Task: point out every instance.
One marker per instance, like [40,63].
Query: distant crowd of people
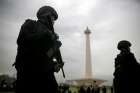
[92,89]
[86,89]
[4,85]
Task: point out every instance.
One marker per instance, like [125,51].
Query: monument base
[85,82]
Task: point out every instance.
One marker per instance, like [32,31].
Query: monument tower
[88,65]
[88,78]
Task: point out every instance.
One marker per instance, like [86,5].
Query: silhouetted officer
[88,90]
[96,87]
[104,89]
[112,90]
[92,89]
[82,90]
[69,91]
[126,69]
[3,84]
[34,62]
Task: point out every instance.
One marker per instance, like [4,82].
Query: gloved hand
[57,67]
[58,44]
[55,36]
[52,50]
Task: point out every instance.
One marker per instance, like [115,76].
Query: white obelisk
[88,65]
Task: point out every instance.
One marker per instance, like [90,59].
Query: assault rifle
[55,51]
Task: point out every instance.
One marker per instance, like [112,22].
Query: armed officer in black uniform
[126,69]
[37,45]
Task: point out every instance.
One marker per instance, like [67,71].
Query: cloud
[109,20]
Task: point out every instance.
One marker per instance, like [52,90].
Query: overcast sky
[109,21]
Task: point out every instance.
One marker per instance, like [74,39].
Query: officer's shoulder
[29,22]
[131,53]
[119,55]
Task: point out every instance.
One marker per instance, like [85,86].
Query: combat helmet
[47,10]
[123,44]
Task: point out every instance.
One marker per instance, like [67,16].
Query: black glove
[57,67]
[55,36]
[51,51]
[57,44]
